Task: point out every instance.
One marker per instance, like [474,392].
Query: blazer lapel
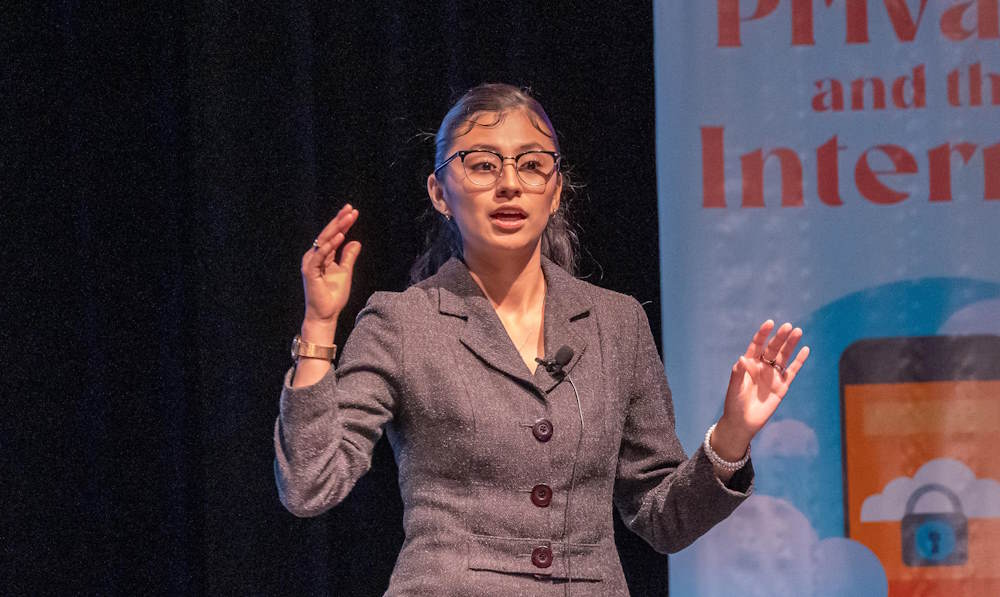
[484,334]
[565,306]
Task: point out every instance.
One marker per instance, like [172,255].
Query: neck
[512,283]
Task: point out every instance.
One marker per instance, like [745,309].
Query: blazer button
[541,495]
[541,556]
[542,430]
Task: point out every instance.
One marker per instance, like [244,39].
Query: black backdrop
[164,167]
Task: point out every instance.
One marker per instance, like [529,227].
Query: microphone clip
[555,366]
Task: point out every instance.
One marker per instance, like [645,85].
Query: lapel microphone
[555,366]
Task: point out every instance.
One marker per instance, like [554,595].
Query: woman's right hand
[326,281]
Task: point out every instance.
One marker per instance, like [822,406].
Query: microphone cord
[572,482]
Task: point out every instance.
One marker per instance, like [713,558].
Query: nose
[508,182]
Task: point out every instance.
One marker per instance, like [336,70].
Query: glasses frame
[462,153]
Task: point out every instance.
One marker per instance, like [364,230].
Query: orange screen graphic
[890,431]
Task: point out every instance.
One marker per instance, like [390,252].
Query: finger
[333,225]
[346,222]
[334,243]
[342,222]
[312,261]
[756,346]
[736,377]
[788,348]
[771,352]
[350,255]
[793,369]
[329,230]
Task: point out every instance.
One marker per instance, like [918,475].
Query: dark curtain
[164,167]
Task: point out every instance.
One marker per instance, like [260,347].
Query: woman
[520,402]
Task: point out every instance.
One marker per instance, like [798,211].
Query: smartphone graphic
[921,456]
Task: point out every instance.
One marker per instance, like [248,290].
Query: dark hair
[559,240]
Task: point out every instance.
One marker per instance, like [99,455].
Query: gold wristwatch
[301,348]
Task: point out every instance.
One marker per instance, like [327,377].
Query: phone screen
[921,447]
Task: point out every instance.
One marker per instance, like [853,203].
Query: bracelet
[729,467]
[301,348]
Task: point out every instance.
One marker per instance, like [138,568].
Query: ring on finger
[773,363]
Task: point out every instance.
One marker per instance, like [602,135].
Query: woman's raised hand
[326,281]
[760,379]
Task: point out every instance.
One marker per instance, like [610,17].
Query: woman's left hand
[760,378]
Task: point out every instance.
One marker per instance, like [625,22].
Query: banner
[836,164]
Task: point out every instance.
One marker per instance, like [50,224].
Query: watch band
[301,348]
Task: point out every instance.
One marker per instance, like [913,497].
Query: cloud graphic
[787,437]
[980,498]
[845,568]
[769,548]
[978,318]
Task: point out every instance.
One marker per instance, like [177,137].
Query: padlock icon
[935,538]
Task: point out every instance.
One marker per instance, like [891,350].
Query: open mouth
[508,215]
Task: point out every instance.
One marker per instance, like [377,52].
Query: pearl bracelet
[730,467]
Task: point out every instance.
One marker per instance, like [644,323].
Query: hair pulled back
[559,239]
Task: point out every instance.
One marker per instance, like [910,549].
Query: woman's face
[508,216]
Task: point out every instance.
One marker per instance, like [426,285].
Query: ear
[435,190]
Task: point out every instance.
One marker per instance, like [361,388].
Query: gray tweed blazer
[505,493]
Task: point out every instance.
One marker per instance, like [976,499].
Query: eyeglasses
[483,167]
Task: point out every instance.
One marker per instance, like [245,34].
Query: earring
[447,217]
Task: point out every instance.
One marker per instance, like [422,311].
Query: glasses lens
[482,167]
[535,167]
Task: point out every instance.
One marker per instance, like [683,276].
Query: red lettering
[729,19]
[976,85]
[991,172]
[951,22]
[939,159]
[858,94]
[918,84]
[802,23]
[954,23]
[954,98]
[987,20]
[866,179]
[828,173]
[835,95]
[857,21]
[869,180]
[902,21]
[753,177]
[908,91]
[713,175]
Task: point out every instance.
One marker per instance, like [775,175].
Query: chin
[519,248]
[509,246]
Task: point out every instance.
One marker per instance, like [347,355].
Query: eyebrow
[525,147]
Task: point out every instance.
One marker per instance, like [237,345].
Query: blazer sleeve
[325,433]
[664,497]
